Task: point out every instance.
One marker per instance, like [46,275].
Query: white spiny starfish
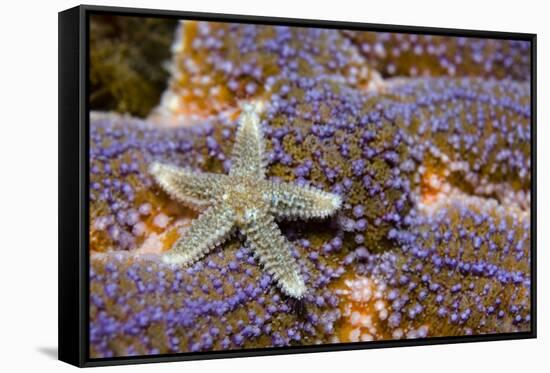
[246,200]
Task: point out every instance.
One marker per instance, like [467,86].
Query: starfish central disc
[244,197]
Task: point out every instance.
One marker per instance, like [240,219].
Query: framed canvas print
[237,186]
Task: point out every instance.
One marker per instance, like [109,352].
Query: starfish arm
[291,201]
[273,251]
[210,229]
[192,188]
[248,151]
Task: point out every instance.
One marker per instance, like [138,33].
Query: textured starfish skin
[247,201]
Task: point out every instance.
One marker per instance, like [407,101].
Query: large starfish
[246,200]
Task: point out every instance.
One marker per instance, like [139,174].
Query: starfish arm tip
[336,202]
[173,259]
[154,168]
[253,108]
[296,289]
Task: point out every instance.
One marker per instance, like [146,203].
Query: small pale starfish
[246,200]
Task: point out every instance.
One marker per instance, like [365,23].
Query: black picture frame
[74,174]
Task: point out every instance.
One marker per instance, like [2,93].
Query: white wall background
[28,184]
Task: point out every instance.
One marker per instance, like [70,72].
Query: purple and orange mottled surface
[433,167]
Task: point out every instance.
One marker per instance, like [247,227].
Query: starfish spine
[249,148]
[274,252]
[288,201]
[210,229]
[194,189]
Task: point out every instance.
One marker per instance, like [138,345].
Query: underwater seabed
[432,239]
